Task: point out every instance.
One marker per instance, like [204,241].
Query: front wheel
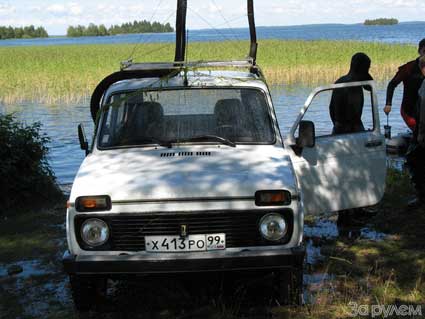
[87,291]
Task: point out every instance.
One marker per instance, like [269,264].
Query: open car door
[338,171]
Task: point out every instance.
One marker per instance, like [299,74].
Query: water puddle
[367,233]
[44,297]
[321,229]
[315,284]
[320,237]
[38,288]
[29,268]
[396,162]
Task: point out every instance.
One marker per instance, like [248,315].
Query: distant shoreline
[136,27]
[259,27]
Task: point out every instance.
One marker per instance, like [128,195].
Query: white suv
[189,173]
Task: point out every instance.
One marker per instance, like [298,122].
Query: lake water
[60,123]
[410,33]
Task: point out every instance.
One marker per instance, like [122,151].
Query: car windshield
[163,117]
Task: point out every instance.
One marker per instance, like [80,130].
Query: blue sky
[56,15]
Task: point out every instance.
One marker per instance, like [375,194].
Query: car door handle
[373,143]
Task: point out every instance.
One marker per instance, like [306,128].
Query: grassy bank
[67,74]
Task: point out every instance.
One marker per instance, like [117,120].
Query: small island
[381,21]
[125,28]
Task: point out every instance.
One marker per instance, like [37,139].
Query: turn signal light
[272,198]
[93,203]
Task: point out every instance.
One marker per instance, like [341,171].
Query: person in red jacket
[412,78]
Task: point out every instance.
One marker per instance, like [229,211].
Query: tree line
[381,21]
[130,27]
[22,32]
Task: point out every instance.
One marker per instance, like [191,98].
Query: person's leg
[416,164]
[420,174]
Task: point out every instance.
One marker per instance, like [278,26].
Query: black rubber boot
[416,165]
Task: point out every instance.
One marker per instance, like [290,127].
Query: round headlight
[273,227]
[94,232]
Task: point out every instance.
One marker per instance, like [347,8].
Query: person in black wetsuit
[346,108]
[412,77]
[346,105]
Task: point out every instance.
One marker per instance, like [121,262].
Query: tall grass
[67,74]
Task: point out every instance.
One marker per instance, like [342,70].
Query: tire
[289,286]
[86,291]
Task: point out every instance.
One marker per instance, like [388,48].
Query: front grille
[241,228]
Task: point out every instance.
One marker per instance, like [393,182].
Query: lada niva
[188,172]
[191,174]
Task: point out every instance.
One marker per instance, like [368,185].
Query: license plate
[162,244]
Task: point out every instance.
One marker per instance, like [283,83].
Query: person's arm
[335,101]
[337,109]
[367,87]
[421,127]
[398,78]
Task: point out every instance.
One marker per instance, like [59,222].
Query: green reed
[68,74]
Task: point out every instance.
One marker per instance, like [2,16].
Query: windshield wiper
[214,138]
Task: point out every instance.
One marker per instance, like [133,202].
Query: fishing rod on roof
[252,31]
[181,31]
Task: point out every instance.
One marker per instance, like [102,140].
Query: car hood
[184,173]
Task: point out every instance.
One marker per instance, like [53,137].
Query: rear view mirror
[307,135]
[83,140]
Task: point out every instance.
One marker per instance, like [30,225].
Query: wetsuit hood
[360,65]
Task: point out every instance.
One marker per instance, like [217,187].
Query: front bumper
[195,262]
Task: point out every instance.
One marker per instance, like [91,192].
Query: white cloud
[6,9]
[214,8]
[75,8]
[56,8]
[64,9]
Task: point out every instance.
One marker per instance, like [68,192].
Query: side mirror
[307,135]
[83,140]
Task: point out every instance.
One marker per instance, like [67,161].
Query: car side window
[116,119]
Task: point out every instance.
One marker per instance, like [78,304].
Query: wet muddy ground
[40,288]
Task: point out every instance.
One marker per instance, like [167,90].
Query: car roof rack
[160,67]
[130,66]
